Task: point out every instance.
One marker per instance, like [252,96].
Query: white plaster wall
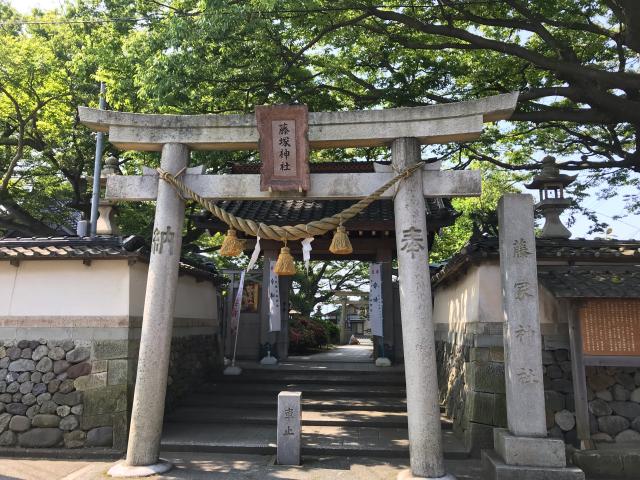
[195,299]
[476,296]
[550,311]
[490,288]
[64,288]
[458,302]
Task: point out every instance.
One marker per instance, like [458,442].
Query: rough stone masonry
[46,388]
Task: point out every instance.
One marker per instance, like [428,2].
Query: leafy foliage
[575,63]
[307,334]
[322,281]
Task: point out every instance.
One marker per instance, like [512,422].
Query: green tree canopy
[574,62]
[318,285]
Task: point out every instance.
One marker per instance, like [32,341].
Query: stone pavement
[212,466]
[341,353]
[219,466]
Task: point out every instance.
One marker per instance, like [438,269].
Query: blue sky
[624,229]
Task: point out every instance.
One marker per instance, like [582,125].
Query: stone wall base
[495,469]
[478,437]
[537,451]
[619,463]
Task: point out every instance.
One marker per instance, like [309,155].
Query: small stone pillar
[289,428]
[523,451]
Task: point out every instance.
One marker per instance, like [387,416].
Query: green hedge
[307,334]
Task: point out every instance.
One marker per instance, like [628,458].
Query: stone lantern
[550,183]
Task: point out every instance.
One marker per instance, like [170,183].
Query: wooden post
[385,257]
[578,374]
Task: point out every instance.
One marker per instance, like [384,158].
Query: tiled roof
[591,281]
[378,216]
[547,249]
[99,248]
[61,247]
[577,248]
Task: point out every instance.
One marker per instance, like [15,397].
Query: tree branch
[574,71]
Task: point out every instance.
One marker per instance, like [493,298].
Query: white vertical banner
[375,299]
[237,306]
[274,299]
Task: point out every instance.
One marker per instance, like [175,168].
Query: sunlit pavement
[228,466]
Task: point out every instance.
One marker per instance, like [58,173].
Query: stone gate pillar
[157,324]
[423,405]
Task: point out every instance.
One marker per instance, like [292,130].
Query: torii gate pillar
[423,406]
[157,326]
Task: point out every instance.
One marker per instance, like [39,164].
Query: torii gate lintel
[442,123]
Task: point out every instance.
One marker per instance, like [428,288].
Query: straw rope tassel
[285,266]
[232,246]
[286,232]
[340,245]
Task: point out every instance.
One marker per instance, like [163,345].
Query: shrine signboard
[284,147]
[610,327]
[602,332]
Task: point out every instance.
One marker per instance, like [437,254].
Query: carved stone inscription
[412,241]
[163,241]
[289,428]
[284,147]
[522,341]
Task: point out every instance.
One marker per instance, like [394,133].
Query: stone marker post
[423,405]
[157,320]
[524,448]
[522,340]
[289,428]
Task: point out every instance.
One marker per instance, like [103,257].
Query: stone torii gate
[403,129]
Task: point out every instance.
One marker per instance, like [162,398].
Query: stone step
[256,416]
[327,367]
[316,440]
[283,378]
[324,368]
[222,399]
[315,389]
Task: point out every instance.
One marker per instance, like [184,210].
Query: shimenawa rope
[285,232]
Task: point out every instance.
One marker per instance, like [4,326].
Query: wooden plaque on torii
[284,147]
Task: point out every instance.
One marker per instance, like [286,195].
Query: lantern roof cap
[550,174]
